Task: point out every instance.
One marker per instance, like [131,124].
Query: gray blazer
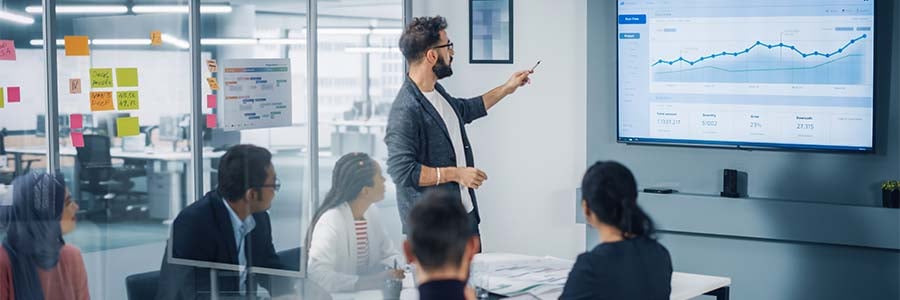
[416,135]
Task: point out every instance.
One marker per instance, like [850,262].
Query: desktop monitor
[106,123]
[169,130]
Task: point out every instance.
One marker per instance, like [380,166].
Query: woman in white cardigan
[349,249]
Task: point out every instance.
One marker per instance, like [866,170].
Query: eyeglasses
[276,186]
[448,45]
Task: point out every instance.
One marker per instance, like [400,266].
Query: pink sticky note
[75,121]
[211,101]
[77,139]
[7,50]
[13,94]
[210,121]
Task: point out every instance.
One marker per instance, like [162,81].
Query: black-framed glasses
[276,186]
[448,46]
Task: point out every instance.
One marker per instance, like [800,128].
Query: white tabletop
[118,153]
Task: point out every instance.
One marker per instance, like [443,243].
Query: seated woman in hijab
[35,261]
[350,249]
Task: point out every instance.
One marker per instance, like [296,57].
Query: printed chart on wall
[257,93]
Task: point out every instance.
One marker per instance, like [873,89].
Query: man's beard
[442,69]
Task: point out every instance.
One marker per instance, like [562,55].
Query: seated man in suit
[230,226]
[441,244]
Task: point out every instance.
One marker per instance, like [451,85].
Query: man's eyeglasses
[276,186]
[448,46]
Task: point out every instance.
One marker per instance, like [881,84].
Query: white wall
[533,144]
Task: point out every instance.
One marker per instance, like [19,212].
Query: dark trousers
[474,222]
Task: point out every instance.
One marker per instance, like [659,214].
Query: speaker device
[734,184]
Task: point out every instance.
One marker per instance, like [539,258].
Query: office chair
[98,177]
[142,286]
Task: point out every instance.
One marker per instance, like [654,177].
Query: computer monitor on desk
[106,123]
[40,126]
[221,140]
[169,130]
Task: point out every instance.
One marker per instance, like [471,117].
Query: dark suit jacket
[638,268]
[203,232]
[416,135]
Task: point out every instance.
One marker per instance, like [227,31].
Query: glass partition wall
[144,102]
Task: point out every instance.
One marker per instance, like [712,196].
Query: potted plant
[890,194]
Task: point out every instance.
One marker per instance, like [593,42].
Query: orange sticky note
[210,121]
[77,45]
[102,101]
[7,50]
[76,121]
[155,38]
[128,126]
[211,101]
[77,139]
[75,86]
[213,84]
[14,96]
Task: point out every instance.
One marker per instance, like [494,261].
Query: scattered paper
[76,121]
[7,50]
[14,95]
[77,139]
[102,101]
[127,77]
[128,126]
[127,100]
[101,78]
[77,45]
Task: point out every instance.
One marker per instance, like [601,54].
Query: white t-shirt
[452,122]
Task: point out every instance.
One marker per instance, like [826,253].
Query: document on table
[514,275]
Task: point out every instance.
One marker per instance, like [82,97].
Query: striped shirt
[362,244]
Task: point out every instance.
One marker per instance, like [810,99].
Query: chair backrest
[142,286]
[94,159]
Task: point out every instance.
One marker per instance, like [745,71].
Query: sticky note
[127,126]
[13,95]
[75,86]
[77,45]
[155,38]
[7,50]
[1,97]
[127,100]
[127,77]
[102,101]
[212,66]
[210,121]
[77,139]
[101,78]
[211,101]
[213,84]
[76,121]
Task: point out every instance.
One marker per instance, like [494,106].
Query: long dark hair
[610,191]
[352,173]
[34,236]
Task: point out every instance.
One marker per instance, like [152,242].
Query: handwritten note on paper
[212,66]
[77,139]
[155,38]
[77,45]
[127,100]
[102,101]
[13,94]
[211,101]
[76,121]
[213,84]
[7,50]
[101,78]
[75,86]
[210,121]
[127,77]
[128,126]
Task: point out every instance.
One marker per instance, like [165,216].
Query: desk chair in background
[105,183]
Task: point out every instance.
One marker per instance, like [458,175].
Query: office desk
[162,165]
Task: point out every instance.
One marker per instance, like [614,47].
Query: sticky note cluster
[102,78]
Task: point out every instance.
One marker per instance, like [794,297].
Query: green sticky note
[101,78]
[127,77]
[127,127]
[127,100]
[1,97]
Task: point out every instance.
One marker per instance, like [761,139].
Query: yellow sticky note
[101,78]
[127,77]
[213,84]
[1,97]
[101,101]
[77,45]
[127,100]
[155,38]
[128,126]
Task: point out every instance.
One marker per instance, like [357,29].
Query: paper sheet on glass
[256,93]
[518,275]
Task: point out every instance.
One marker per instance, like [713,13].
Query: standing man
[426,137]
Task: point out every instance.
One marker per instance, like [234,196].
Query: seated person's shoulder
[70,252]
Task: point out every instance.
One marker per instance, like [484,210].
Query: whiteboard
[256,93]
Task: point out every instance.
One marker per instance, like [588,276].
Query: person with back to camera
[629,263]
